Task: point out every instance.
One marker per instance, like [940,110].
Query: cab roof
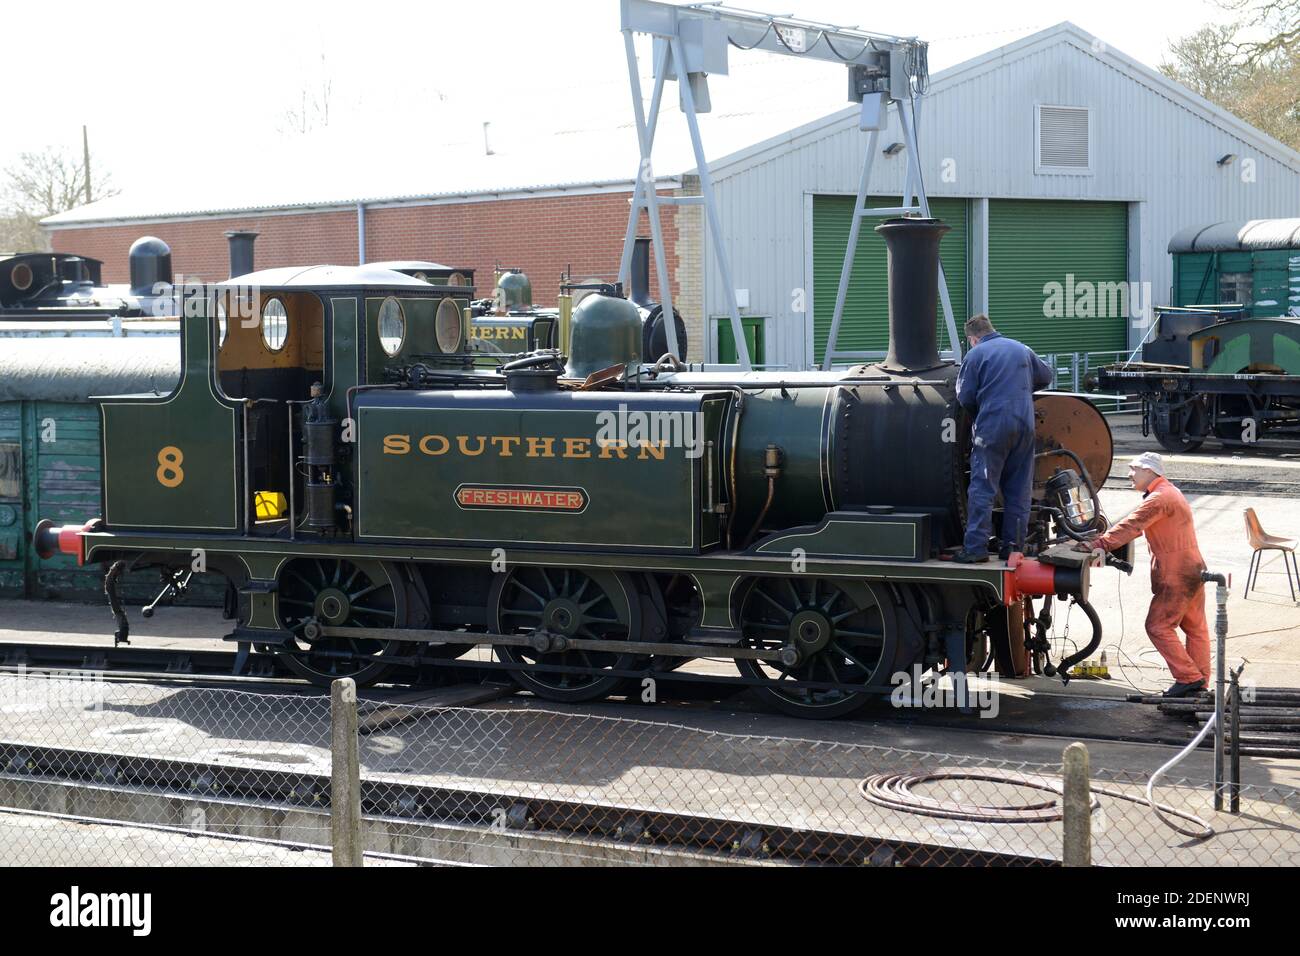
[306,278]
[399,265]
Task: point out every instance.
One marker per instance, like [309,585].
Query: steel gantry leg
[914,200]
[710,205]
[692,41]
[914,170]
[846,270]
[649,194]
[646,146]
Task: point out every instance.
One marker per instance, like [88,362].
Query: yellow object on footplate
[1091,669]
[270,504]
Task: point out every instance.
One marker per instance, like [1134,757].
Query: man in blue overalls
[996,384]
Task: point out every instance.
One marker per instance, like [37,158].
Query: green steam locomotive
[379,504]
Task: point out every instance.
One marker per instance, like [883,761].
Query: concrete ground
[1264,629]
[773,761]
[1266,463]
[713,762]
[38,839]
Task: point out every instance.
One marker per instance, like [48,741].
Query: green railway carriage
[50,452]
[1254,264]
[1224,362]
[1241,385]
[378,504]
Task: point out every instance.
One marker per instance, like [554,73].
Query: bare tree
[41,184]
[22,233]
[1204,63]
[313,109]
[1264,91]
[1279,18]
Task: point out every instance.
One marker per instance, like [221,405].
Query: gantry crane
[693,41]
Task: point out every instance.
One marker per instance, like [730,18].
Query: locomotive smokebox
[913,246]
[151,265]
[241,252]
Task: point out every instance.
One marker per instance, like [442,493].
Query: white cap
[1149,460]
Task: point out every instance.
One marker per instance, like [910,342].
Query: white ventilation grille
[1063,139]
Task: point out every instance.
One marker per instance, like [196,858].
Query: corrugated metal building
[1064,167]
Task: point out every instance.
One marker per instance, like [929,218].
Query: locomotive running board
[550,642]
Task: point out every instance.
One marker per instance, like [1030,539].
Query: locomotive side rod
[548,642]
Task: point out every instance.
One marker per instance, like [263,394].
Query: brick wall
[199,246]
[542,236]
[688,292]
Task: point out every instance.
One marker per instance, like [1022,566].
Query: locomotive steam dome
[606,331]
[514,291]
[151,264]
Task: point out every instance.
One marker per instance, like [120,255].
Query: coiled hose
[895,791]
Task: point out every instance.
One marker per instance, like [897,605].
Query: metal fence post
[345,775]
[1220,652]
[1076,808]
[1234,746]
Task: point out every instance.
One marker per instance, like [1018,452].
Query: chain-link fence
[128,774]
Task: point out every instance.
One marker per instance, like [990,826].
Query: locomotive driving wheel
[554,605]
[833,632]
[335,592]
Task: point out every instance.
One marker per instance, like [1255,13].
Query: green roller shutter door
[1035,247]
[865,326]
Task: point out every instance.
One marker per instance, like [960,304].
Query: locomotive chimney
[241,252]
[913,292]
[641,271]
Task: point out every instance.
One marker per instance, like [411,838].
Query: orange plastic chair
[1261,541]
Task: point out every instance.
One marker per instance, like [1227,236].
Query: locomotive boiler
[592,529]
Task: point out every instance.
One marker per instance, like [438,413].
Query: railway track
[1223,486]
[214,668]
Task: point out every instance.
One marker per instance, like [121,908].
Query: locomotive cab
[260,353]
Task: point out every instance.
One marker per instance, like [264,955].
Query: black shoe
[1185,690]
[970,557]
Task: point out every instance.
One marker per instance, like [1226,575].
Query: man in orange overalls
[1176,565]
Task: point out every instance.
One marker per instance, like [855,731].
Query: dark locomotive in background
[378,503]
